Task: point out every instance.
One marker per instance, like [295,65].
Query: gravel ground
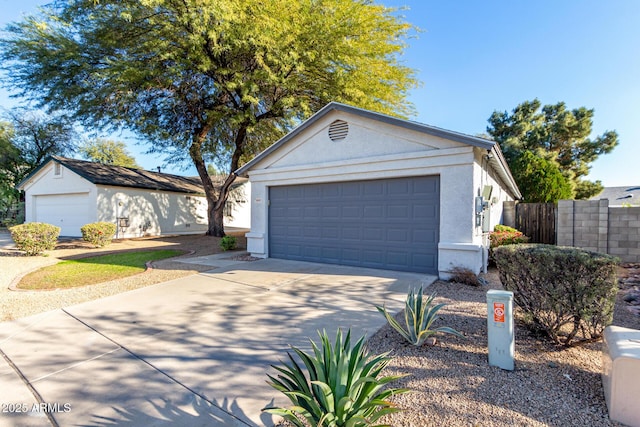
[15,304]
[451,382]
[453,385]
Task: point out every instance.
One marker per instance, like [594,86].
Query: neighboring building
[354,187]
[70,193]
[620,196]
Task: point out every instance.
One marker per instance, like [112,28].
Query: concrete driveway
[189,352]
[6,242]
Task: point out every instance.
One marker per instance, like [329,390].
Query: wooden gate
[537,221]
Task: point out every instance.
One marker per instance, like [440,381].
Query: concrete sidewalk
[189,352]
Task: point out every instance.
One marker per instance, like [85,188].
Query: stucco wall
[68,182]
[375,150]
[239,204]
[152,213]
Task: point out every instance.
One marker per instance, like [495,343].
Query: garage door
[389,224]
[67,211]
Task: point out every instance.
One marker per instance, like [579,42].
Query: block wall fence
[593,225]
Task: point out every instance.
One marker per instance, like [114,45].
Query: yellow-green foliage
[567,292]
[35,237]
[98,233]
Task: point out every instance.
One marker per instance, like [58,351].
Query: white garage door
[67,211]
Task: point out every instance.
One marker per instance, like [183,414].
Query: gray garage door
[389,223]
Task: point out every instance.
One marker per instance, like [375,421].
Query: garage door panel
[390,223]
[374,212]
[398,212]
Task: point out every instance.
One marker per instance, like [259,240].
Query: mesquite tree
[208,80]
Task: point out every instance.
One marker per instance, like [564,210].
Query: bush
[504,228]
[465,276]
[504,235]
[338,386]
[419,315]
[568,293]
[35,237]
[228,243]
[98,233]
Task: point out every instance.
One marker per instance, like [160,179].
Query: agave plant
[419,315]
[338,386]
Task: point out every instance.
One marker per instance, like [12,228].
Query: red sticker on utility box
[498,312]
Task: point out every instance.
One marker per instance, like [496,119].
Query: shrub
[568,293]
[465,276]
[35,237]
[98,233]
[419,315]
[338,386]
[504,235]
[228,243]
[504,228]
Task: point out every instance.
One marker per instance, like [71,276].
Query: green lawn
[92,270]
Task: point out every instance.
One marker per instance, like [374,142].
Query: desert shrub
[35,237]
[569,293]
[500,228]
[335,385]
[228,243]
[98,233]
[465,276]
[504,235]
[419,316]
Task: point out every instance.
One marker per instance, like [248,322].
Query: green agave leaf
[341,387]
[451,331]
[287,414]
[419,315]
[395,325]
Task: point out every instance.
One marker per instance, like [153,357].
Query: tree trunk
[215,205]
[195,152]
[216,222]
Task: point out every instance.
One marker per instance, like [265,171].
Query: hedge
[567,292]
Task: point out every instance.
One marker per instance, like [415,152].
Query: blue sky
[474,57]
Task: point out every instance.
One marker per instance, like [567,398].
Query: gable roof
[499,161]
[407,124]
[119,176]
[619,196]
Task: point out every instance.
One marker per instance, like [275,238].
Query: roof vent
[338,130]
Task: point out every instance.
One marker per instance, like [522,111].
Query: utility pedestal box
[621,374]
[500,329]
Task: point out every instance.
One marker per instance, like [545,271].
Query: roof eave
[26,179]
[502,168]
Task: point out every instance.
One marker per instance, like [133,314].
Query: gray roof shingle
[119,176]
[619,196]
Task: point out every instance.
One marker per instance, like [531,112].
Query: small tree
[26,139]
[540,180]
[557,134]
[108,152]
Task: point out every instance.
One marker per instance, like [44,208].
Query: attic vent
[338,130]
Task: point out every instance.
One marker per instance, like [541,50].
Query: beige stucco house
[70,193]
[353,187]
